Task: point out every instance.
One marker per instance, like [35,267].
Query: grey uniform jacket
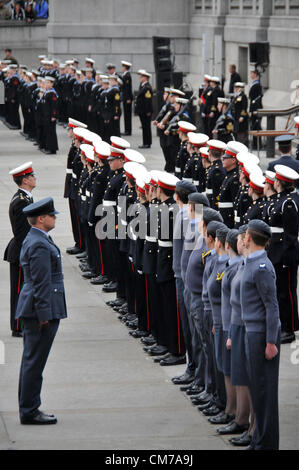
[42,295]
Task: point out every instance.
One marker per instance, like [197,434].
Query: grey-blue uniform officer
[41,306]
[260,313]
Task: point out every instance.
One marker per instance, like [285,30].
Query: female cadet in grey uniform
[260,313]
[239,376]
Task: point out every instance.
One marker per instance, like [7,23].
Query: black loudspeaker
[259,53]
[162,54]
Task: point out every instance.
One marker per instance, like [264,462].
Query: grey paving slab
[106,392]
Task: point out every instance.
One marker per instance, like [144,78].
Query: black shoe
[137,333]
[49,152]
[243,441]
[73,251]
[184,388]
[88,275]
[202,398]
[195,390]
[133,325]
[213,410]
[163,356]
[123,310]
[118,302]
[40,418]
[82,255]
[287,337]
[173,360]
[204,406]
[148,340]
[156,350]
[232,428]
[17,334]
[144,146]
[184,379]
[96,281]
[111,287]
[222,418]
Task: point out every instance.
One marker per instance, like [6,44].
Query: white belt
[69,171]
[150,239]
[178,170]
[74,175]
[165,244]
[109,203]
[119,209]
[196,183]
[133,236]
[209,191]
[237,219]
[225,205]
[276,229]
[123,222]
[188,179]
[87,193]
[83,198]
[139,272]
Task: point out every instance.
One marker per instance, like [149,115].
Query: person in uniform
[260,313]
[255,98]
[224,126]
[283,250]
[216,173]
[230,184]
[239,112]
[183,155]
[285,148]
[213,112]
[12,98]
[182,191]
[144,107]
[256,192]
[25,179]
[127,96]
[50,110]
[41,306]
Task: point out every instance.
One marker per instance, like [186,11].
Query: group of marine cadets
[54,91]
[197,282]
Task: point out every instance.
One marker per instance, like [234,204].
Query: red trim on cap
[116,154]
[198,145]
[118,146]
[183,129]
[256,188]
[230,153]
[131,177]
[24,172]
[72,125]
[283,178]
[211,147]
[141,190]
[166,186]
[89,160]
[88,142]
[204,155]
[102,157]
[245,172]
[147,186]
[78,137]
[297,124]
[269,181]
[154,183]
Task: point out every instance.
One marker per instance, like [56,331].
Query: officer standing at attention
[26,181]
[285,149]
[41,306]
[255,97]
[260,313]
[127,96]
[144,108]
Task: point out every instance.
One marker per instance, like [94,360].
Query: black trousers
[286,282]
[16,282]
[13,117]
[37,346]
[51,142]
[128,117]
[142,302]
[170,318]
[146,129]
[185,325]
[75,224]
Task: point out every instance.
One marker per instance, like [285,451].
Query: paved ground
[105,391]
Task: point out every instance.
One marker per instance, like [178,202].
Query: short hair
[233,66]
[232,239]
[285,148]
[183,195]
[221,234]
[210,214]
[167,192]
[19,179]
[7,49]
[288,187]
[216,153]
[32,220]
[258,238]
